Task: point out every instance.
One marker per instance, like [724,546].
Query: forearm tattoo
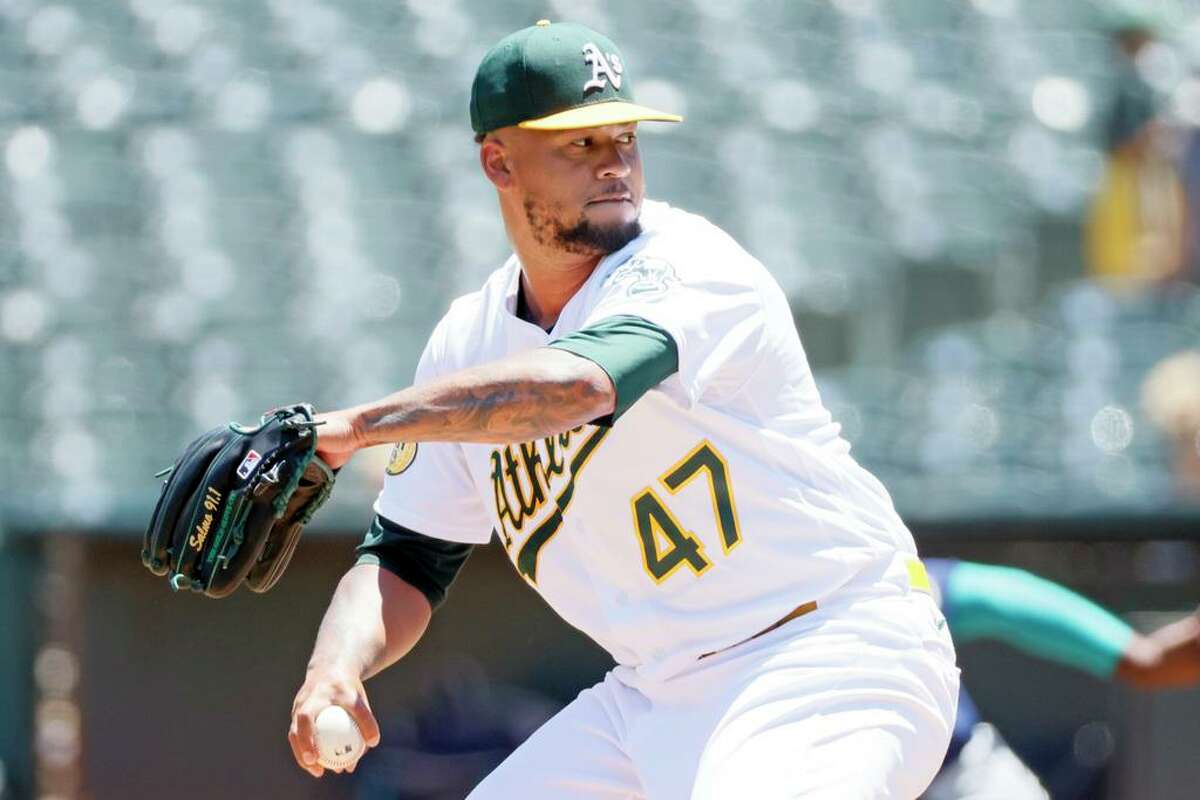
[515,400]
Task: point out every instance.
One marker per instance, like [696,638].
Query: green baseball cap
[555,77]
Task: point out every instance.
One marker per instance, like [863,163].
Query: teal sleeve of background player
[636,354]
[1034,615]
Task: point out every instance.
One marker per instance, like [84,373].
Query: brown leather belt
[798,611]
[918,581]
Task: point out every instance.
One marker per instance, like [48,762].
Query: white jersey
[720,501]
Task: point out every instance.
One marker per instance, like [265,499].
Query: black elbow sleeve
[428,564]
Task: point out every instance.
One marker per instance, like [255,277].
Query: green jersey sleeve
[636,354]
[427,564]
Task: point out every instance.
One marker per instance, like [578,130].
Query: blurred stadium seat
[209,208]
[1034,415]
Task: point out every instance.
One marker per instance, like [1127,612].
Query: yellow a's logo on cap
[403,455]
[605,69]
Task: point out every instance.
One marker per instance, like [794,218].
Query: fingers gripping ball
[339,742]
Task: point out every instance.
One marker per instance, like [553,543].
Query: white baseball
[338,739]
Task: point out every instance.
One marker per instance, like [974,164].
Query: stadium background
[212,207]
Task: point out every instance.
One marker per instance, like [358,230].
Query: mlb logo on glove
[248,463]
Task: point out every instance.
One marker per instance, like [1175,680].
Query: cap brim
[593,115]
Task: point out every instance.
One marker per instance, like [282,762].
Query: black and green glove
[236,503]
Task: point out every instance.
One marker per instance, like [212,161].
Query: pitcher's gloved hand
[235,503]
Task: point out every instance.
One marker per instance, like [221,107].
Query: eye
[582,142]
[627,138]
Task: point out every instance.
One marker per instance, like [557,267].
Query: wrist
[371,424]
[340,435]
[1138,661]
[334,667]
[358,428]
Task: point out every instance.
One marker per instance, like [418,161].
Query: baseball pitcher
[626,406]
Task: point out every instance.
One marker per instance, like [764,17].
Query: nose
[613,164]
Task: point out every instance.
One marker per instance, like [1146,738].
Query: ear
[494,158]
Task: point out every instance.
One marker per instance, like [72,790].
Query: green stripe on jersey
[527,557]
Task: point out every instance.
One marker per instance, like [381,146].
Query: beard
[581,237]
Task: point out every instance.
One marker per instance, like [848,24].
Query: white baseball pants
[855,700]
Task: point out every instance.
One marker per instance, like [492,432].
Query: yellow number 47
[666,544]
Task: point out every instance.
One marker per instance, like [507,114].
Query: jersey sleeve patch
[644,277]
[402,457]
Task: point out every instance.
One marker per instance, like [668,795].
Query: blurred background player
[1047,621]
[1137,232]
[1171,399]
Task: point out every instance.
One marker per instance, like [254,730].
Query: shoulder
[471,306]
[464,310]
[468,316]
[695,247]
[678,248]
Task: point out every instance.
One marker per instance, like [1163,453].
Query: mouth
[614,198]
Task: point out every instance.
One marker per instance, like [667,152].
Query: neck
[550,276]
[548,288]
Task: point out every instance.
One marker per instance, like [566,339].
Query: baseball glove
[236,502]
